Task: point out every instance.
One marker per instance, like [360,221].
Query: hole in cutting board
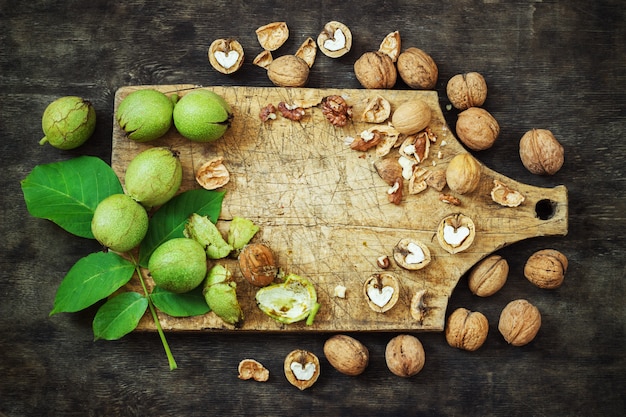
[545,209]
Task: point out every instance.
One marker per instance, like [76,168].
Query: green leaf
[169,220]
[91,279]
[119,315]
[187,304]
[68,192]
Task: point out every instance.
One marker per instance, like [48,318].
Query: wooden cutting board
[324,211]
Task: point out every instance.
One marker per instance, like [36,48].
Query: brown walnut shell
[302,368]
[546,268]
[488,276]
[540,152]
[257,264]
[288,71]
[456,233]
[381,291]
[391,45]
[335,39]
[405,355]
[417,69]
[519,322]
[463,173]
[346,354]
[467,90]
[375,70]
[411,117]
[477,128]
[273,35]
[252,369]
[411,254]
[226,55]
[466,329]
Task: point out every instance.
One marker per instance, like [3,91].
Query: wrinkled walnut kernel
[336,110]
[291,112]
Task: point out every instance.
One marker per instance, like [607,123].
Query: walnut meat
[477,128]
[375,70]
[540,152]
[417,69]
[467,90]
[546,268]
[346,354]
[488,276]
[519,322]
[466,329]
[405,355]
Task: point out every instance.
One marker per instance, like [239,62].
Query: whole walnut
[546,268]
[417,69]
[541,152]
[405,355]
[463,173]
[488,276]
[467,90]
[477,128]
[375,70]
[288,71]
[519,322]
[466,329]
[346,354]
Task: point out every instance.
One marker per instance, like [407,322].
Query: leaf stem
[157,323]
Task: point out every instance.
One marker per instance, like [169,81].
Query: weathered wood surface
[324,211]
[557,65]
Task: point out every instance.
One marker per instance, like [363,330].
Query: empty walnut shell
[505,196]
[226,55]
[411,254]
[273,35]
[488,276]
[417,69]
[391,45]
[466,329]
[252,369]
[519,322]
[477,128]
[213,174]
[335,39]
[456,233]
[302,368]
[375,70]
[346,354]
[467,90]
[546,268]
[540,152]
[307,51]
[381,292]
[377,110]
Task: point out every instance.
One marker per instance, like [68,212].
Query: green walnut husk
[68,122]
[153,176]
[178,265]
[202,116]
[293,300]
[146,114]
[119,223]
[220,293]
[240,232]
[201,229]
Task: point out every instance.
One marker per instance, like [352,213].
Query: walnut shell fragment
[213,174]
[377,110]
[391,45]
[505,196]
[381,292]
[307,51]
[251,369]
[273,35]
[302,368]
[263,60]
[226,55]
[411,254]
[335,39]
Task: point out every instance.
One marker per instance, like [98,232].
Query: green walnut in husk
[68,122]
[202,116]
[290,301]
[178,265]
[146,115]
[220,293]
[119,223]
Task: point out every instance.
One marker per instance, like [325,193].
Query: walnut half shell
[302,368]
[456,233]
[381,292]
[411,254]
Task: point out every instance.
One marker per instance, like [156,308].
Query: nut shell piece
[467,329]
[411,254]
[456,233]
[488,276]
[288,71]
[505,196]
[375,70]
[335,39]
[463,173]
[519,322]
[405,355]
[377,110]
[273,35]
[477,128]
[251,369]
[417,69]
[226,55]
[302,368]
[381,291]
[346,354]
[467,90]
[307,51]
[540,152]
[411,117]
[391,45]
[213,174]
[546,268]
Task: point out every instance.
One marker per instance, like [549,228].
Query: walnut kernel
[381,292]
[336,110]
[456,233]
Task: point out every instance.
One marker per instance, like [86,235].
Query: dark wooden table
[554,65]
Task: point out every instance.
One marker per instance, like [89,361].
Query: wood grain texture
[324,210]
